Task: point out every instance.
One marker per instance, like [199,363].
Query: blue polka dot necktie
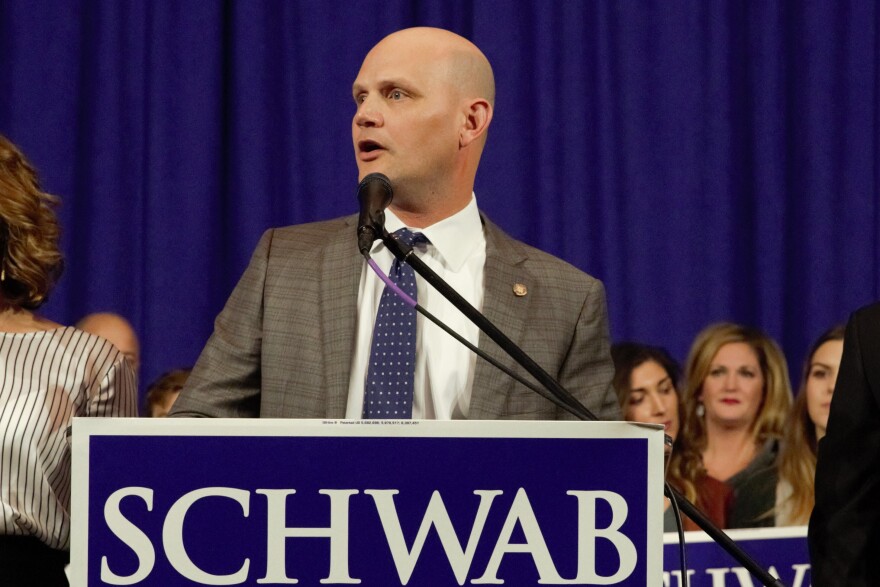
[388,391]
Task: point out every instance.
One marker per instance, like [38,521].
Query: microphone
[374,195]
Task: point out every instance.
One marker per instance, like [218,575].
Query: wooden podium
[368,502]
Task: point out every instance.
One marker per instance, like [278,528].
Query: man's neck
[425,211]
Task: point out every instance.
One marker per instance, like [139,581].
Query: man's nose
[368,114]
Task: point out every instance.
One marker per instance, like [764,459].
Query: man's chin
[365,170]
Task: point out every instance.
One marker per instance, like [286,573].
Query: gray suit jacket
[283,345]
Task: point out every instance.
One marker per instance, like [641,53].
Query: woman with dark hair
[736,400]
[646,380]
[48,374]
[795,493]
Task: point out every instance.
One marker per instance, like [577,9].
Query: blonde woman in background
[795,493]
[736,401]
[49,373]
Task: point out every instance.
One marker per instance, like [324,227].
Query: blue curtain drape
[708,160]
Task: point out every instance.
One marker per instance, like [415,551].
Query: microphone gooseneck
[374,195]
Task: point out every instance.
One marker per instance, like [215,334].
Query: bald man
[118,331]
[295,339]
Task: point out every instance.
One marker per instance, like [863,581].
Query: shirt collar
[455,238]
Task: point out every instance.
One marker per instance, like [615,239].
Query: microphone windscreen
[375,190]
[374,195]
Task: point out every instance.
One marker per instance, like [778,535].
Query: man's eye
[396,95]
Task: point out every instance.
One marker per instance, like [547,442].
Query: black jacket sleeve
[844,535]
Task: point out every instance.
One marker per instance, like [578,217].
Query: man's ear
[477,116]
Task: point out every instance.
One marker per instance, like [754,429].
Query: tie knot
[409,238]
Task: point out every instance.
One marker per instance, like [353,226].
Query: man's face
[407,121]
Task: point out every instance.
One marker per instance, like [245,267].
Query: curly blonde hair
[30,259]
[770,419]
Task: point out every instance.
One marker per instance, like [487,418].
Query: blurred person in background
[646,379]
[117,330]
[795,493]
[49,374]
[736,400]
[162,393]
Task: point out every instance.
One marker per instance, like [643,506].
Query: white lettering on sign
[460,557]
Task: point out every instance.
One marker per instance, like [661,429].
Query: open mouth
[369,146]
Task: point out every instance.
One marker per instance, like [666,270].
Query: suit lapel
[504,268]
[341,268]
[340,277]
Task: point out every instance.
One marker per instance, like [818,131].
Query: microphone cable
[483,355]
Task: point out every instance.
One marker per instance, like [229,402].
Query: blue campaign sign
[781,551]
[277,502]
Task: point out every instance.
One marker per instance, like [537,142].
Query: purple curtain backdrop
[708,160]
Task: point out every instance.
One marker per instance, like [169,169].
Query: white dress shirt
[444,371]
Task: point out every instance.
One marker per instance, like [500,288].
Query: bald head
[458,60]
[117,330]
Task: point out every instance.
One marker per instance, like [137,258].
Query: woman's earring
[701,410]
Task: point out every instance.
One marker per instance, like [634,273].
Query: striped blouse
[47,378]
